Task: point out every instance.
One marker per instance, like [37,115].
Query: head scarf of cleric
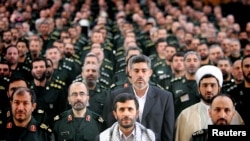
[209,80]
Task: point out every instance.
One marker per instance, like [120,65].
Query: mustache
[78,102]
[126,118]
[20,112]
[222,119]
[140,78]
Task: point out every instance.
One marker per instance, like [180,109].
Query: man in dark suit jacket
[156,108]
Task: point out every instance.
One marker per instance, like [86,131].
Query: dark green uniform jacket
[69,128]
[33,132]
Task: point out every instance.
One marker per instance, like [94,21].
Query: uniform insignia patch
[70,118]
[8,114]
[9,125]
[100,119]
[88,118]
[39,111]
[43,126]
[33,128]
[125,85]
[56,117]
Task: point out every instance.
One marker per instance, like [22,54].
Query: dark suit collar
[150,99]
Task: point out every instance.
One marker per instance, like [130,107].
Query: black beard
[204,57]
[225,76]
[91,83]
[48,75]
[7,41]
[209,101]
[246,77]
[41,78]
[68,55]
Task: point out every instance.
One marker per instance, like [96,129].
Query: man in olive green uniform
[104,79]
[121,74]
[97,38]
[159,63]
[78,123]
[178,70]
[51,99]
[22,126]
[105,65]
[90,75]
[184,88]
[64,69]
[225,65]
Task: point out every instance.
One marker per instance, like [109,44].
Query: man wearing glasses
[78,123]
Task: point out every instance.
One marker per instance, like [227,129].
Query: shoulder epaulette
[107,60]
[164,76]
[69,59]
[231,88]
[97,117]
[150,44]
[57,117]
[160,72]
[60,82]
[66,67]
[79,79]
[6,79]
[199,132]
[104,81]
[2,88]
[112,86]
[86,48]
[152,56]
[78,61]
[120,70]
[105,74]
[121,59]
[45,127]
[108,67]
[26,68]
[119,53]
[176,79]
[54,85]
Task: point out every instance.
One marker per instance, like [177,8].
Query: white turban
[209,69]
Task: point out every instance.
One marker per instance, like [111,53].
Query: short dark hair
[4,62]
[177,54]
[16,78]
[139,59]
[23,41]
[132,48]
[21,91]
[39,59]
[123,97]
[160,40]
[245,57]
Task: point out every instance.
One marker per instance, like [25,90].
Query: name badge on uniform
[184,98]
